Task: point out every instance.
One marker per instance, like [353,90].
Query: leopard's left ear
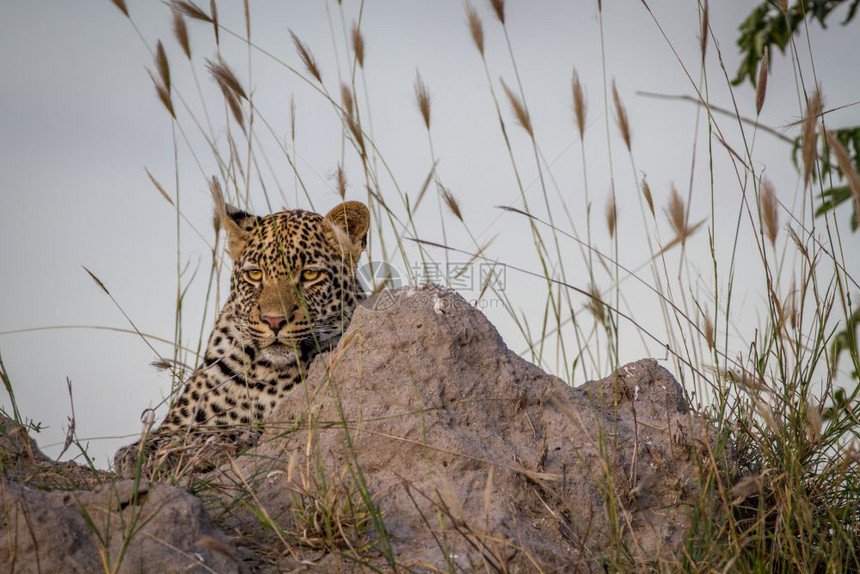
[349,223]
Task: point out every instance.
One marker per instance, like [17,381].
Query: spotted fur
[292,293]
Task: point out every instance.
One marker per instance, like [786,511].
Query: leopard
[293,291]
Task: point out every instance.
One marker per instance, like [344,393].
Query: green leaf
[832,198]
[766,26]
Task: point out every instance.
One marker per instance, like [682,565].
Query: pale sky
[80,121]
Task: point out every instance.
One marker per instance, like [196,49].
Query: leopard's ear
[237,223]
[349,223]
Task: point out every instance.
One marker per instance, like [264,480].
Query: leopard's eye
[310,274]
[254,275]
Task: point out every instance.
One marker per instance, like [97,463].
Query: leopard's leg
[144,456]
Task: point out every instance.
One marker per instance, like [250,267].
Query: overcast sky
[80,120]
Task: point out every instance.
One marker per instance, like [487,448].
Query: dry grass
[761,85]
[769,211]
[180,31]
[499,9]
[676,213]
[621,117]
[611,215]
[779,487]
[358,44]
[191,10]
[846,166]
[580,108]
[451,202]
[519,109]
[813,110]
[422,98]
[476,28]
[226,78]
[649,198]
[306,57]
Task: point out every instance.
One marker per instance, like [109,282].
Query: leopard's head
[293,285]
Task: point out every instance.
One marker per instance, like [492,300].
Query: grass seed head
[293,117]
[451,202]
[646,191]
[580,107]
[499,9]
[611,215]
[769,211]
[476,28]
[621,117]
[341,181]
[226,78]
[677,215]
[235,107]
[180,31]
[163,66]
[703,37]
[519,108]
[809,140]
[358,44]
[191,10]
[709,332]
[163,95]
[422,98]
[306,57]
[159,187]
[346,98]
[814,423]
[761,85]
[122,7]
[213,11]
[596,305]
[843,160]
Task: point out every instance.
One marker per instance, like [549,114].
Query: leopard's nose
[275,321]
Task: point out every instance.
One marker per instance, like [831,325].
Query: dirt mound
[420,442]
[113,528]
[475,457]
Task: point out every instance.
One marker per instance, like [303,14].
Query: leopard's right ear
[237,223]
